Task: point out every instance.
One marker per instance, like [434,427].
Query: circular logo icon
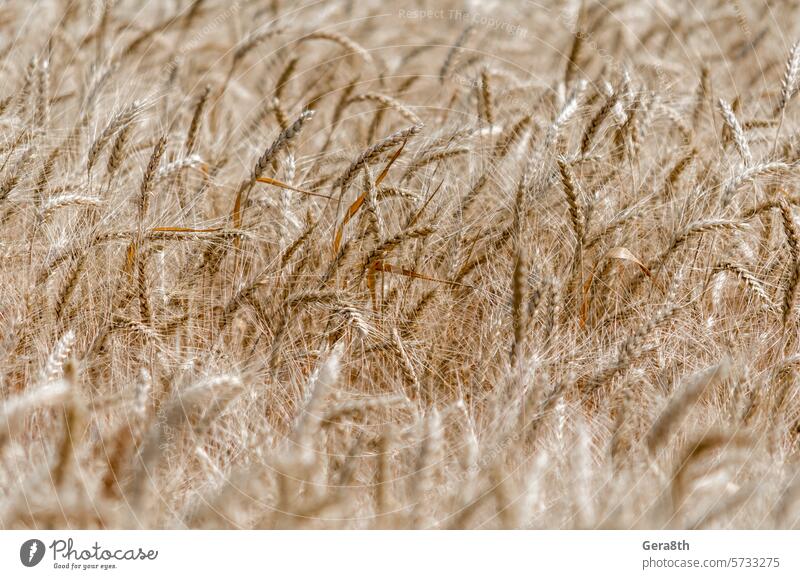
[31,553]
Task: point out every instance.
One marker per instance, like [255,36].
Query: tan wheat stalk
[387,102]
[454,50]
[116,123]
[788,88]
[793,241]
[197,118]
[682,403]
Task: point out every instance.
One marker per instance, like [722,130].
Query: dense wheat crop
[365,264]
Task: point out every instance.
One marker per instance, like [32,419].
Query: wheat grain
[181,347]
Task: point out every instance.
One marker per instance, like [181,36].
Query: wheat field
[367,264]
